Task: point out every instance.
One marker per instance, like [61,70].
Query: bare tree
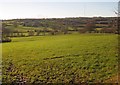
[90,25]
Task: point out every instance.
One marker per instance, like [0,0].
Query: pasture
[71,58]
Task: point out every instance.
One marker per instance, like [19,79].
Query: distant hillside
[54,26]
[57,23]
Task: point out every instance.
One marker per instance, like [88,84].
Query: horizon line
[60,17]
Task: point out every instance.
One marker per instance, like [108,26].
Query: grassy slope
[62,58]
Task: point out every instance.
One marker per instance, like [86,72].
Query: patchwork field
[72,58]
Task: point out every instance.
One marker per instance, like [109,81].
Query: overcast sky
[12,9]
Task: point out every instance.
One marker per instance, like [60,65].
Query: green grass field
[73,58]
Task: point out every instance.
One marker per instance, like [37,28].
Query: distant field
[72,58]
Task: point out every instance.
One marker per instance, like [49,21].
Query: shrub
[5,39]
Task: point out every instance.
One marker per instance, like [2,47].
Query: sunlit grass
[60,59]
